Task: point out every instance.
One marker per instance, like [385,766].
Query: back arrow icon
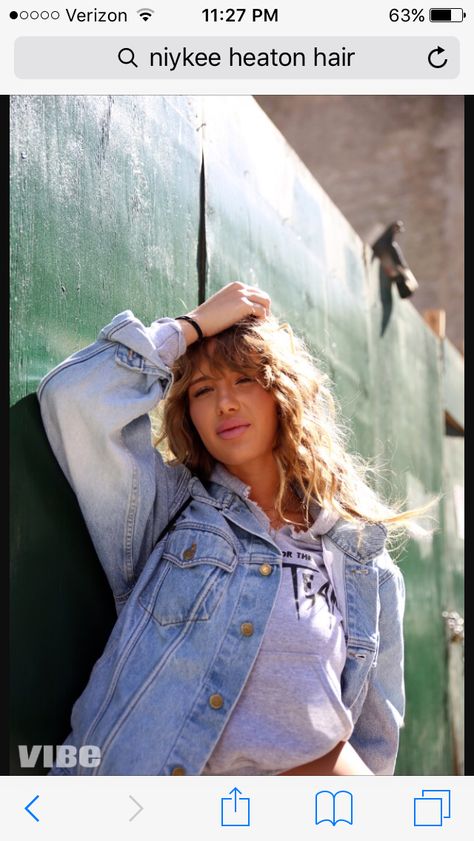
[27,808]
[437,51]
[140,808]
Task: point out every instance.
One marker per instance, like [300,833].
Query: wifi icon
[145,14]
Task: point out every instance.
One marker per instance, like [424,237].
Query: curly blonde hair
[310,450]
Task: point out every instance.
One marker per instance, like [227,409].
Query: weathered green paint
[106,205]
[104,217]
[407,407]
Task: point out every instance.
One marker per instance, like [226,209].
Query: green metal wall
[111,209]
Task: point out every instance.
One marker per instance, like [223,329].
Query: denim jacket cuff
[160,344]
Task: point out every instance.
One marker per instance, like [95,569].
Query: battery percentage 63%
[406,15]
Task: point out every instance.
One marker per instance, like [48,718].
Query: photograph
[236,435]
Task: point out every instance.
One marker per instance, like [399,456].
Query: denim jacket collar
[361,543]
[323,520]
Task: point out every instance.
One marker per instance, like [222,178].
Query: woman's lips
[235,432]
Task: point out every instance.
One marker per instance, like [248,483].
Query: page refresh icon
[334,807]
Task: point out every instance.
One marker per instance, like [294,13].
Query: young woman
[259,621]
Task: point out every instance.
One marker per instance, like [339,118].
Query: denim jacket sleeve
[94,407]
[376,732]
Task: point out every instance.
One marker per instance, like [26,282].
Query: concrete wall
[382,158]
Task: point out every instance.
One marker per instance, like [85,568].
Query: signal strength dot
[145,14]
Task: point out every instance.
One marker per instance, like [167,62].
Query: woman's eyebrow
[200,379]
[210,377]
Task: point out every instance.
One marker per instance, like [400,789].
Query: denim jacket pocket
[192,577]
[354,678]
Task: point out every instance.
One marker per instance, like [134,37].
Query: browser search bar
[237,58]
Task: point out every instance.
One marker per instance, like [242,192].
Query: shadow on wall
[59,592]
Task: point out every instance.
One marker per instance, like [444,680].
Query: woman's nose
[227,400]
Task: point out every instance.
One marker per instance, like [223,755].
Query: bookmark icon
[335,807]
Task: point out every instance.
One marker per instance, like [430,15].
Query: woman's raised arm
[95,408]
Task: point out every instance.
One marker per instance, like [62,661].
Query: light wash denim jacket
[179,654]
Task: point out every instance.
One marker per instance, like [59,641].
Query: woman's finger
[255,292]
[259,310]
[259,298]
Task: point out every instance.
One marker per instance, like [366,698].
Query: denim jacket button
[265,569]
[246,629]
[189,554]
[178,771]
[216,701]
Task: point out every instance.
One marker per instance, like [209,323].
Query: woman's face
[235,417]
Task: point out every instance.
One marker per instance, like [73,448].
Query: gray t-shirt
[290,711]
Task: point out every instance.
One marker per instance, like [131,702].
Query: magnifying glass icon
[127,60]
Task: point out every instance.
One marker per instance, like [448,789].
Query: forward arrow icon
[140,808]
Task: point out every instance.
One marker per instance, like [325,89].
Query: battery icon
[447,15]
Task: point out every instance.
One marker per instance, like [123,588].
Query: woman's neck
[261,475]
[263,479]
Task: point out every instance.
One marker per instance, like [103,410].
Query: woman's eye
[206,389]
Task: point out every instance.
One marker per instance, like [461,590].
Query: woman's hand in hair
[230,304]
